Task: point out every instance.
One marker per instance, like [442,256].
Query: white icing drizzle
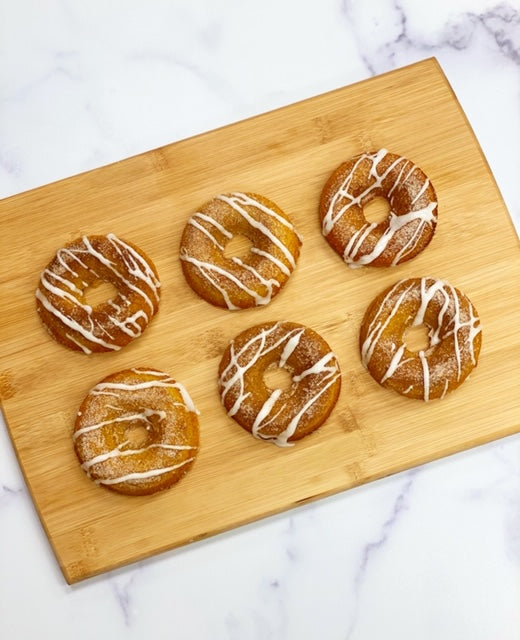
[86,332]
[425,186]
[395,224]
[342,201]
[218,275]
[394,363]
[269,256]
[426,375]
[129,325]
[118,452]
[135,267]
[163,380]
[445,390]
[474,329]
[270,283]
[265,411]
[143,475]
[282,439]
[207,269]
[131,417]
[319,367]
[165,445]
[212,222]
[232,380]
[408,246]
[456,318]
[290,347]
[238,200]
[234,373]
[376,328]
[331,218]
[58,293]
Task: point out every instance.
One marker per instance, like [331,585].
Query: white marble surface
[427,554]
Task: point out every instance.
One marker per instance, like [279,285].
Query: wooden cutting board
[286,155]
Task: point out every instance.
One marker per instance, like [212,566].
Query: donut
[137,432]
[87,262]
[408,228]
[236,282]
[279,415]
[454,338]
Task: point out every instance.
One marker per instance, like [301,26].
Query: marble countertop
[430,553]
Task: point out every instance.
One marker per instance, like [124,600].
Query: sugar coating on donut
[238,282]
[409,226]
[163,414]
[454,336]
[85,262]
[279,415]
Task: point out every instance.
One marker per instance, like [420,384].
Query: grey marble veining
[430,553]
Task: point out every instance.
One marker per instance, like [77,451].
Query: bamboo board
[286,155]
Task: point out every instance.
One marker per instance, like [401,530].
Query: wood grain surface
[286,155]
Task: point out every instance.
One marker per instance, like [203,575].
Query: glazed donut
[86,262]
[280,416]
[454,335]
[234,282]
[405,232]
[137,432]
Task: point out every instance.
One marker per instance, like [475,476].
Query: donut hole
[276,377]
[417,338]
[239,246]
[377,210]
[137,436]
[100,292]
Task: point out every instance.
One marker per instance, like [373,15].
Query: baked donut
[137,432]
[409,226]
[279,415]
[235,282]
[454,336]
[84,263]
